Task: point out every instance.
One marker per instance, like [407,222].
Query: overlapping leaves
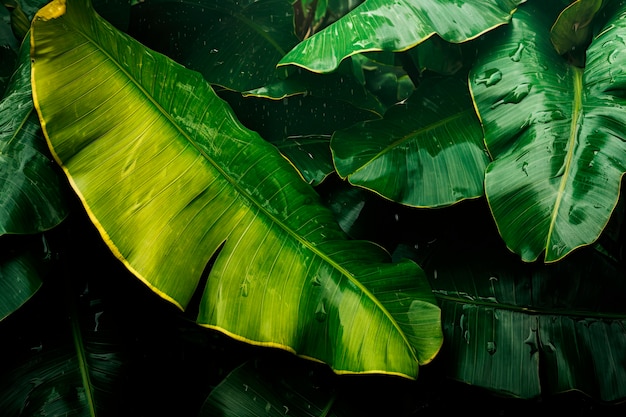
[377,25]
[169,177]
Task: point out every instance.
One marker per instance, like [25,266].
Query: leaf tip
[51,11]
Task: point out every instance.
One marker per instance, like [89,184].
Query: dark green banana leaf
[377,25]
[8,49]
[310,155]
[426,152]
[169,177]
[256,389]
[30,183]
[530,330]
[234,44]
[572,29]
[555,132]
[65,359]
[275,385]
[20,279]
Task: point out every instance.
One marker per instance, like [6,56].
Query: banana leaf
[169,177]
[427,152]
[8,49]
[30,184]
[20,279]
[572,29]
[555,132]
[257,388]
[310,155]
[377,25]
[64,358]
[531,330]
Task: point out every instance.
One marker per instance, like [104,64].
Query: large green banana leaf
[169,177]
[555,132]
[30,186]
[427,152]
[531,330]
[378,25]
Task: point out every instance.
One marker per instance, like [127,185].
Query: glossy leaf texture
[532,330]
[426,152]
[169,178]
[30,183]
[378,25]
[234,44]
[555,132]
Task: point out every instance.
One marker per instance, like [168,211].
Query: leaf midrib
[577,75]
[242,192]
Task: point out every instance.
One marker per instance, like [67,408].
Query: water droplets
[489,77]
[516,55]
[516,95]
[525,168]
[320,312]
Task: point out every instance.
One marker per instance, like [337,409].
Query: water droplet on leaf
[320,312]
[489,77]
[515,96]
[516,55]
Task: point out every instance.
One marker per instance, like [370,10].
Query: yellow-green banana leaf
[169,177]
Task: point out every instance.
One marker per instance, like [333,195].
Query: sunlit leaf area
[312,208]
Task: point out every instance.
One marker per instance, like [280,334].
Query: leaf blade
[379,26]
[179,178]
[553,134]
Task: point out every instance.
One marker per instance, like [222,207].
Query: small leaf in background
[427,152]
[257,388]
[20,278]
[310,155]
[442,57]
[8,49]
[571,33]
[375,25]
[383,77]
[22,12]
